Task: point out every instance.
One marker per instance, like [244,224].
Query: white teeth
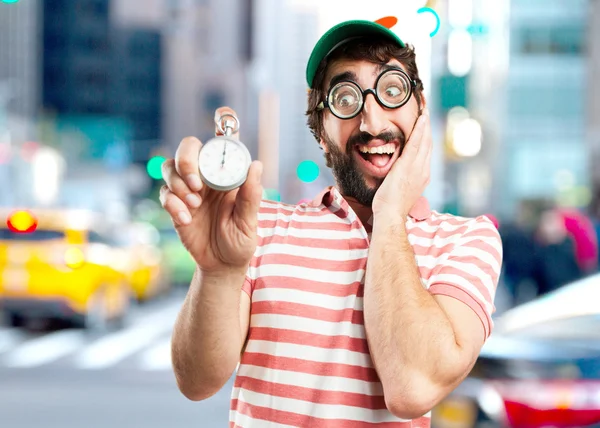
[389,148]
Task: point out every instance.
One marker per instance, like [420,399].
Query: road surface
[122,379]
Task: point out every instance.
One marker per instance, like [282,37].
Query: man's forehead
[357,68]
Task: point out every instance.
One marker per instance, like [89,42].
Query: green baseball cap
[341,33]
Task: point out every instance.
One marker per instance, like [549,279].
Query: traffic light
[307,171]
[153,167]
[21,222]
[10,1]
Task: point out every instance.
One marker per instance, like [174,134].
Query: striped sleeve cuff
[472,270]
[469,300]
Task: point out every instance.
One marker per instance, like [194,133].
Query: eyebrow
[349,75]
[346,75]
[385,67]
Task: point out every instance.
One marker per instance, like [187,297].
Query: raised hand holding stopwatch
[217,227]
[223,161]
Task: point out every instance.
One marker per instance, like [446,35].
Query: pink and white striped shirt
[307,363]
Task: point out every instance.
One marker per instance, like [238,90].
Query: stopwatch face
[224,163]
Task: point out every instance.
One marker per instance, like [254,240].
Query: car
[144,266]
[540,367]
[57,264]
[177,260]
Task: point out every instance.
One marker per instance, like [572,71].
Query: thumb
[248,198]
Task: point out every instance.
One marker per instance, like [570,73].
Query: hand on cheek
[409,176]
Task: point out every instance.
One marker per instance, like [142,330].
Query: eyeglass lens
[393,88]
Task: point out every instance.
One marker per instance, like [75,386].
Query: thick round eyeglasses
[393,89]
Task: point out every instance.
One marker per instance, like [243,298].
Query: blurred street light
[460,52]
[460,40]
[466,140]
[48,168]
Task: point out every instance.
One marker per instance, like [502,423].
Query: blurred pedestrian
[518,260]
[364,307]
[555,258]
[582,231]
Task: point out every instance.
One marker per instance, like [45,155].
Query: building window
[213,100]
[555,40]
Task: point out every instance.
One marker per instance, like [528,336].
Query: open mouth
[378,159]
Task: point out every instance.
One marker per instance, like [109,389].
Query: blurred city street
[95,95]
[70,378]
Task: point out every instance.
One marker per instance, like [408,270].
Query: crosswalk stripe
[158,357]
[115,347]
[44,350]
[9,338]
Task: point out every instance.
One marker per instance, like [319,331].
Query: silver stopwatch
[223,161]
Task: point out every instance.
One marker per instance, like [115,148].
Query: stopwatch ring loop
[221,121]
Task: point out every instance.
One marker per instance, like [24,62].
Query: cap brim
[341,33]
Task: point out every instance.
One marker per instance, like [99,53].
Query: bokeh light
[22,221]
[307,171]
[29,150]
[271,195]
[74,258]
[154,167]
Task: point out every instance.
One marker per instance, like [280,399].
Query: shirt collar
[331,196]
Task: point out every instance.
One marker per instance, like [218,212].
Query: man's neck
[363,212]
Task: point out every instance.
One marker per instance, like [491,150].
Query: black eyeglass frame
[325,104]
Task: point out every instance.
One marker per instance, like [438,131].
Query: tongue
[379,160]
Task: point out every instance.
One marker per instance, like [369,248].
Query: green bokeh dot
[154,167]
[271,195]
[307,171]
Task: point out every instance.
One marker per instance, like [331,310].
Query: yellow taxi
[57,264]
[143,261]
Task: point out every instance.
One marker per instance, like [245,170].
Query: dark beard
[348,176]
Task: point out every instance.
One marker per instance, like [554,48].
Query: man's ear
[323,145]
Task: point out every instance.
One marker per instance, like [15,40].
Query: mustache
[388,136]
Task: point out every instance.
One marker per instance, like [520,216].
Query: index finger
[426,140]
[219,113]
[416,136]
[186,162]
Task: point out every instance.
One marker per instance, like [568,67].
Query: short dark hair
[375,50]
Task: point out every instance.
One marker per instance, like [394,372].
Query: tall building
[544,152]
[100,79]
[286,32]
[20,57]
[19,95]
[593,102]
[77,57]
[207,50]
[137,85]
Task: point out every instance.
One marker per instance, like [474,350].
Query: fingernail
[184,218]
[194,182]
[193,200]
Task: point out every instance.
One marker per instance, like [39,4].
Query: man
[363,308]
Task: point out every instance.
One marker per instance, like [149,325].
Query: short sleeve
[471,271]
[248,286]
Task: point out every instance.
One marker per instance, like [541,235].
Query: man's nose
[372,117]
